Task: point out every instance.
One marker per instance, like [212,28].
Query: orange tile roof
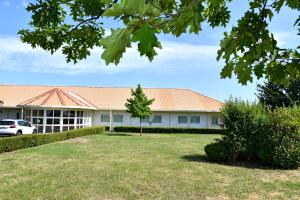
[105,98]
[58,98]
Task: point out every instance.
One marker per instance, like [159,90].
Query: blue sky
[185,62]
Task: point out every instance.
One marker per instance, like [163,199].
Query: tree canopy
[139,105]
[249,50]
[275,95]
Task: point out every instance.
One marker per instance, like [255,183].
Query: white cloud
[287,39]
[16,56]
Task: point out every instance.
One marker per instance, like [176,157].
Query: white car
[16,127]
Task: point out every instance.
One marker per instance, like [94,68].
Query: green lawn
[133,167]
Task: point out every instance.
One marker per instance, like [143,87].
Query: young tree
[249,49]
[274,95]
[139,105]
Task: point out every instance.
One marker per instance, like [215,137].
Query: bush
[134,129]
[257,134]
[244,122]
[280,145]
[217,151]
[26,141]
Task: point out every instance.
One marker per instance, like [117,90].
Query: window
[48,129]
[56,113]
[7,123]
[53,120]
[182,119]
[49,121]
[58,120]
[72,113]
[145,120]
[27,124]
[195,120]
[34,113]
[56,129]
[118,118]
[21,123]
[66,113]
[37,119]
[79,113]
[79,121]
[105,118]
[157,119]
[74,119]
[41,113]
[49,113]
[215,120]
[71,121]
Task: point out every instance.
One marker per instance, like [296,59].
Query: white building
[55,109]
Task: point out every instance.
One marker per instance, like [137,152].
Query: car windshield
[7,123]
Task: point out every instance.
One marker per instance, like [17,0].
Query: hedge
[253,132]
[25,141]
[134,129]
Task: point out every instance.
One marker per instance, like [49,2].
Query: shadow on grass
[243,164]
[117,134]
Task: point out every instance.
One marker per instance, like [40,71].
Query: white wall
[6,113]
[169,119]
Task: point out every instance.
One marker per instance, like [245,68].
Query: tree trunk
[141,128]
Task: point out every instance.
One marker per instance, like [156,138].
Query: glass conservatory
[51,121]
[57,110]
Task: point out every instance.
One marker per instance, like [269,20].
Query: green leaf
[147,41]
[115,11]
[227,70]
[115,45]
[134,7]
[152,10]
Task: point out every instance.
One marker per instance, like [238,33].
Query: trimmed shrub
[280,145]
[243,121]
[217,151]
[25,141]
[134,129]
[257,134]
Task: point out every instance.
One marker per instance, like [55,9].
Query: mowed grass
[153,166]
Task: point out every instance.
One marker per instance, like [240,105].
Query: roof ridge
[87,86]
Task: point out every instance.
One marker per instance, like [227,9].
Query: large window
[182,119]
[38,119]
[215,120]
[105,118]
[156,119]
[195,119]
[146,120]
[51,121]
[68,120]
[118,118]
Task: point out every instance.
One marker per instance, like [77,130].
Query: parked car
[16,127]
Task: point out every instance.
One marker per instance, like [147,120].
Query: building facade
[55,109]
